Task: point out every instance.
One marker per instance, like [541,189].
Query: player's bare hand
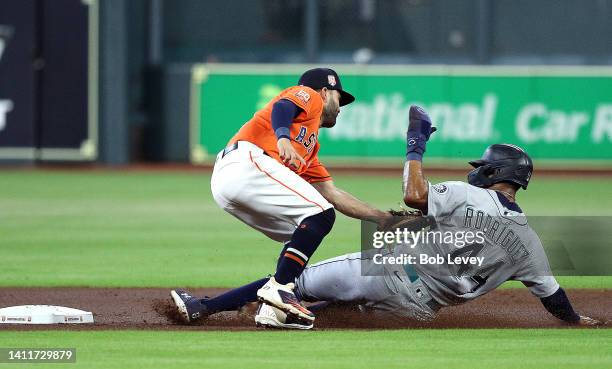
[288,155]
[589,322]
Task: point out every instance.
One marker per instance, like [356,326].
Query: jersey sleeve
[305,98]
[444,198]
[535,272]
[316,172]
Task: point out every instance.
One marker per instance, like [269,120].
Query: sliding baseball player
[441,272]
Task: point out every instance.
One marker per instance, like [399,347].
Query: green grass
[329,349]
[164,229]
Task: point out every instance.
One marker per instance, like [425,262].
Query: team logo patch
[303,95]
[439,188]
[332,80]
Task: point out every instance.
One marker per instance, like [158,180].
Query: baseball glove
[413,220]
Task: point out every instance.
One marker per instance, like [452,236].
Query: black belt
[233,147]
[229,149]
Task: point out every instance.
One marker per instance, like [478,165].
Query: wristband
[415,146]
[282,132]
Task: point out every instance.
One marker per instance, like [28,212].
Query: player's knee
[330,218]
[321,223]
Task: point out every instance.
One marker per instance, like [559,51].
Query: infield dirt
[151,308]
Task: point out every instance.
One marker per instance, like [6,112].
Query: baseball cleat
[270,317]
[185,304]
[281,296]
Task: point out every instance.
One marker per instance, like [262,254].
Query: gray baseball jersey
[507,248]
[510,249]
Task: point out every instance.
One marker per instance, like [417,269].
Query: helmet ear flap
[489,171]
[481,176]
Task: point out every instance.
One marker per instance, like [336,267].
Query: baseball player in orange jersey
[269,177]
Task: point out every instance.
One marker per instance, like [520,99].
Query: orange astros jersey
[304,131]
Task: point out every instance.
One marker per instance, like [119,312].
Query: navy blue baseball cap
[324,77]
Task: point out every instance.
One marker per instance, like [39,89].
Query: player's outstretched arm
[559,305]
[348,204]
[415,185]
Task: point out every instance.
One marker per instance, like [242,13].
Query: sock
[304,242]
[280,257]
[233,299]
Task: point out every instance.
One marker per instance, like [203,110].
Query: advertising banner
[555,113]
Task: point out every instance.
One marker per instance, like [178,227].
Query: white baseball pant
[263,193]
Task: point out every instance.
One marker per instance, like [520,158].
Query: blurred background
[131,81]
